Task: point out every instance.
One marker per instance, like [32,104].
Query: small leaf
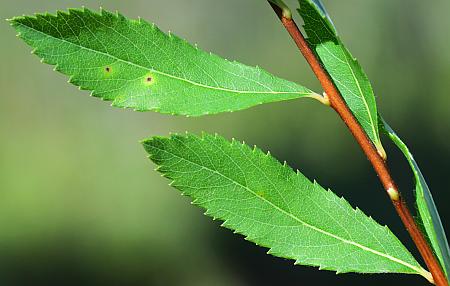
[428,212]
[344,69]
[275,207]
[133,64]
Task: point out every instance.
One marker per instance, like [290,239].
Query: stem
[377,161]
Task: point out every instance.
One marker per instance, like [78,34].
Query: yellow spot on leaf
[260,194]
[149,79]
[107,71]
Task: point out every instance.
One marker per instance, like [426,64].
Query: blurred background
[81,205]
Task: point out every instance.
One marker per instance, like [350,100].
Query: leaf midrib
[361,93]
[436,241]
[420,271]
[163,73]
[346,55]
[347,63]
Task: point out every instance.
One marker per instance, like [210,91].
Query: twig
[378,163]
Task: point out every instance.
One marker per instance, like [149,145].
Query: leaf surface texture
[345,71]
[275,207]
[133,64]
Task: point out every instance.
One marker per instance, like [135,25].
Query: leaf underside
[428,212]
[275,207]
[133,64]
[344,69]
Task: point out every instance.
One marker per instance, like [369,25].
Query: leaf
[428,212]
[343,68]
[133,64]
[275,207]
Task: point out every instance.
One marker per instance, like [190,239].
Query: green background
[81,205]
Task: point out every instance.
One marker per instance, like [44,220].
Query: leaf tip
[10,20]
[145,140]
[14,21]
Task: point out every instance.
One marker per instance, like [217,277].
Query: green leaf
[344,69]
[133,64]
[428,212]
[275,207]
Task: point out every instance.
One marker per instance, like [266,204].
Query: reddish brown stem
[378,163]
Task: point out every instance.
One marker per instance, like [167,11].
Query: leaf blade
[343,68]
[428,212]
[134,64]
[271,205]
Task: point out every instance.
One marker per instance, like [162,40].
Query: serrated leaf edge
[14,22]
[418,270]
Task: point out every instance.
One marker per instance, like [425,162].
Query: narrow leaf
[133,64]
[428,212]
[344,69]
[275,207]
